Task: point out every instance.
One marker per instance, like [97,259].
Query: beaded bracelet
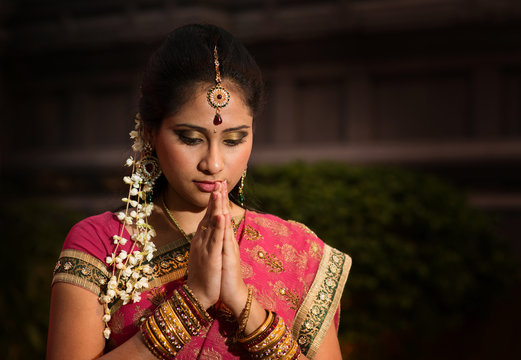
[245,313]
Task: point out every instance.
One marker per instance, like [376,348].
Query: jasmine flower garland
[129,274]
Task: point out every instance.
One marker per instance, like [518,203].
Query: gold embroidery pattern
[276,227]
[291,255]
[140,315]
[265,299]
[303,227]
[117,323]
[262,256]
[252,234]
[316,313]
[170,261]
[157,296]
[314,249]
[286,294]
[81,269]
[210,354]
[246,270]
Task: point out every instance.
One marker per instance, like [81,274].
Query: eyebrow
[204,130]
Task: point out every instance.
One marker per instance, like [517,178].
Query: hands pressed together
[214,266]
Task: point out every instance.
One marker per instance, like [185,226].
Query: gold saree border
[169,264]
[317,311]
[78,268]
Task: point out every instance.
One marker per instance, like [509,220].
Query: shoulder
[292,232]
[93,235]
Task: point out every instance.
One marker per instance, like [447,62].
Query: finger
[230,245]
[226,204]
[214,246]
[217,206]
[227,229]
[209,210]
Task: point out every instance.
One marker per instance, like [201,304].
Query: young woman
[134,285]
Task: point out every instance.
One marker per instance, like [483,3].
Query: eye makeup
[196,135]
[235,137]
[189,137]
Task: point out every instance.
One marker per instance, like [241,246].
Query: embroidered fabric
[290,270]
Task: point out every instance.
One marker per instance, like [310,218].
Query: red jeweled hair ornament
[218,96]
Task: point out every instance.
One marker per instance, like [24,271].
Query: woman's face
[194,153]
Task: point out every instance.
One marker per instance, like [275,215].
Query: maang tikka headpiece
[218,96]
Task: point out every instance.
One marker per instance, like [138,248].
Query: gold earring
[241,188]
[148,166]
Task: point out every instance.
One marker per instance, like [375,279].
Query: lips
[206,186]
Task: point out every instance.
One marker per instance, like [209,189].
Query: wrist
[237,303]
[199,296]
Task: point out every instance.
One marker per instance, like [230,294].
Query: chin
[201,201]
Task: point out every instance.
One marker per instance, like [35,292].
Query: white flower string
[129,274]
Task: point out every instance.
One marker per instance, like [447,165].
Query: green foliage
[423,260]
[33,233]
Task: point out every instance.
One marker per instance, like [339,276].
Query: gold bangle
[155,341]
[271,339]
[202,311]
[245,313]
[292,351]
[149,342]
[174,325]
[164,345]
[191,325]
[283,346]
[260,329]
[187,311]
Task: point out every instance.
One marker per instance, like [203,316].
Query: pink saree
[290,270]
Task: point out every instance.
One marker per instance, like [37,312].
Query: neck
[187,216]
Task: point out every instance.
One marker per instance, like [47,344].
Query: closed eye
[235,138]
[187,138]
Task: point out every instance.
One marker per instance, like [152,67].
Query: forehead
[198,111]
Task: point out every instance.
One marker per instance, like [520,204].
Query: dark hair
[186,58]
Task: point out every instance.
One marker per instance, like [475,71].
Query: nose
[212,163]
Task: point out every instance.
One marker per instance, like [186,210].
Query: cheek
[172,156]
[240,160]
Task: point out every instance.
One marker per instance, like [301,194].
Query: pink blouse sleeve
[82,260]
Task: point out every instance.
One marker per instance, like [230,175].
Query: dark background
[432,86]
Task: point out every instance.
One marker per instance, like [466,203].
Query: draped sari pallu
[290,270]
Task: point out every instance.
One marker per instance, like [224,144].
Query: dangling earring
[148,167]
[241,188]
